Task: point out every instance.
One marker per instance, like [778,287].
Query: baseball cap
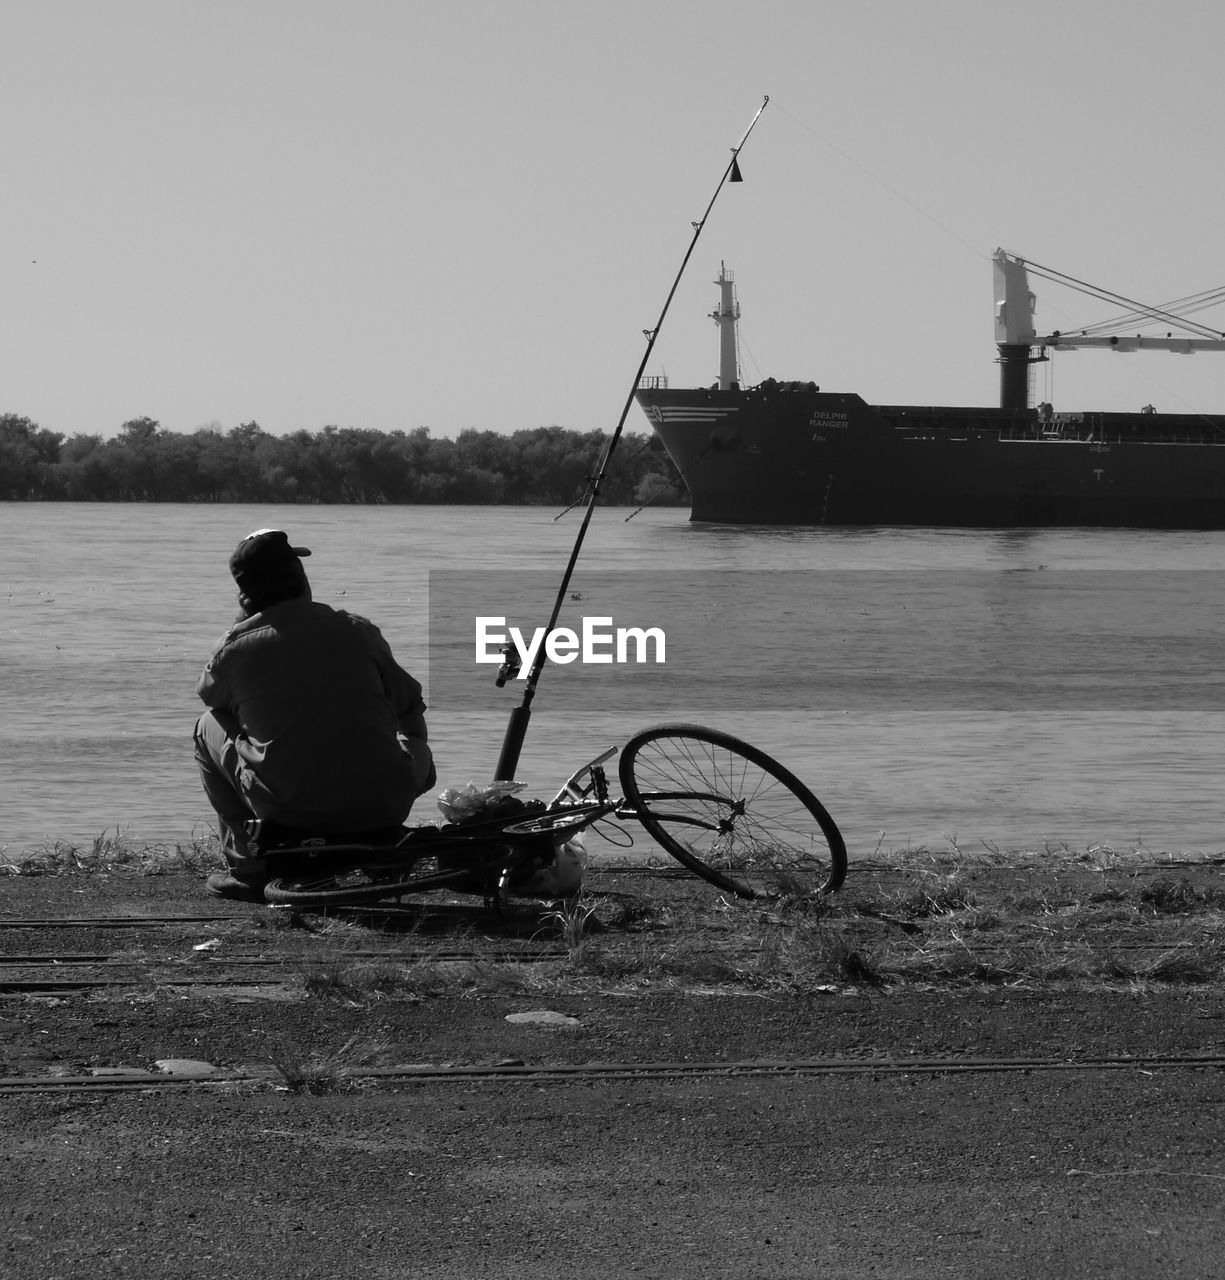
[264,554]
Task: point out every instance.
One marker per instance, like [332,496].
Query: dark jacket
[332,730]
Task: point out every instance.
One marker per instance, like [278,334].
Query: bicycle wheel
[730,813]
[357,887]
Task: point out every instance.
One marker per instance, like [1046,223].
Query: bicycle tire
[359,888]
[730,813]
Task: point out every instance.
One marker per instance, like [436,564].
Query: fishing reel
[511,664]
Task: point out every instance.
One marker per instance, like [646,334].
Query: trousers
[221,768]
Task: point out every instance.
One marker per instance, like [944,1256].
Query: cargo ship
[789,453]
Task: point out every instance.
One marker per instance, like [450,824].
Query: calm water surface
[1009,687]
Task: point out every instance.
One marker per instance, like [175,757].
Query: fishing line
[905,199]
[646,444]
[1172,313]
[682,474]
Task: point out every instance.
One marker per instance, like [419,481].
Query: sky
[463,214]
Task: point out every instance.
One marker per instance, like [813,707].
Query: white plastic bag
[457,804]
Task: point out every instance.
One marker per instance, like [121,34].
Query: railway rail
[114,1080]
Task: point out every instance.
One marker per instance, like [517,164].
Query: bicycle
[724,809]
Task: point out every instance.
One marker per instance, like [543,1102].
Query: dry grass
[946,918]
[574,920]
[919,917]
[1061,921]
[362,982]
[328,968]
[322,1071]
[115,853]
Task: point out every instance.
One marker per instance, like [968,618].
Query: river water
[1012,688]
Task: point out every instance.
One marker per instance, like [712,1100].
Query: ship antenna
[516,729]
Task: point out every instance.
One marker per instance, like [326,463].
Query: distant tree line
[144,463]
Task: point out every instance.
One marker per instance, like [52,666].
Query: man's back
[320,699]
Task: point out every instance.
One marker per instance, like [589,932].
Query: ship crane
[1018,340]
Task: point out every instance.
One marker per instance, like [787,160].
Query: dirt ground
[373,1112]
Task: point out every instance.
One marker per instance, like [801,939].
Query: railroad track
[61,971]
[116,1080]
[189,962]
[64,972]
[107,922]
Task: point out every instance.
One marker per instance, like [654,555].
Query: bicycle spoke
[729,811]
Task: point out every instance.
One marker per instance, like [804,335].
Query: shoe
[225,885]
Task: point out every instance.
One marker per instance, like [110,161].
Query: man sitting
[311,722]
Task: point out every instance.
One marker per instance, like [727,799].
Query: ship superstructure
[789,453]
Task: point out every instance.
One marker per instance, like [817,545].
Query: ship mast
[726,315]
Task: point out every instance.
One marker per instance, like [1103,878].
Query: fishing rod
[516,728]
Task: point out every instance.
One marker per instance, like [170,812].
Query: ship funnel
[726,316]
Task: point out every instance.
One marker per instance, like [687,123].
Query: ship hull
[781,454]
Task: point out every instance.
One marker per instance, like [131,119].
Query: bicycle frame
[597,784]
